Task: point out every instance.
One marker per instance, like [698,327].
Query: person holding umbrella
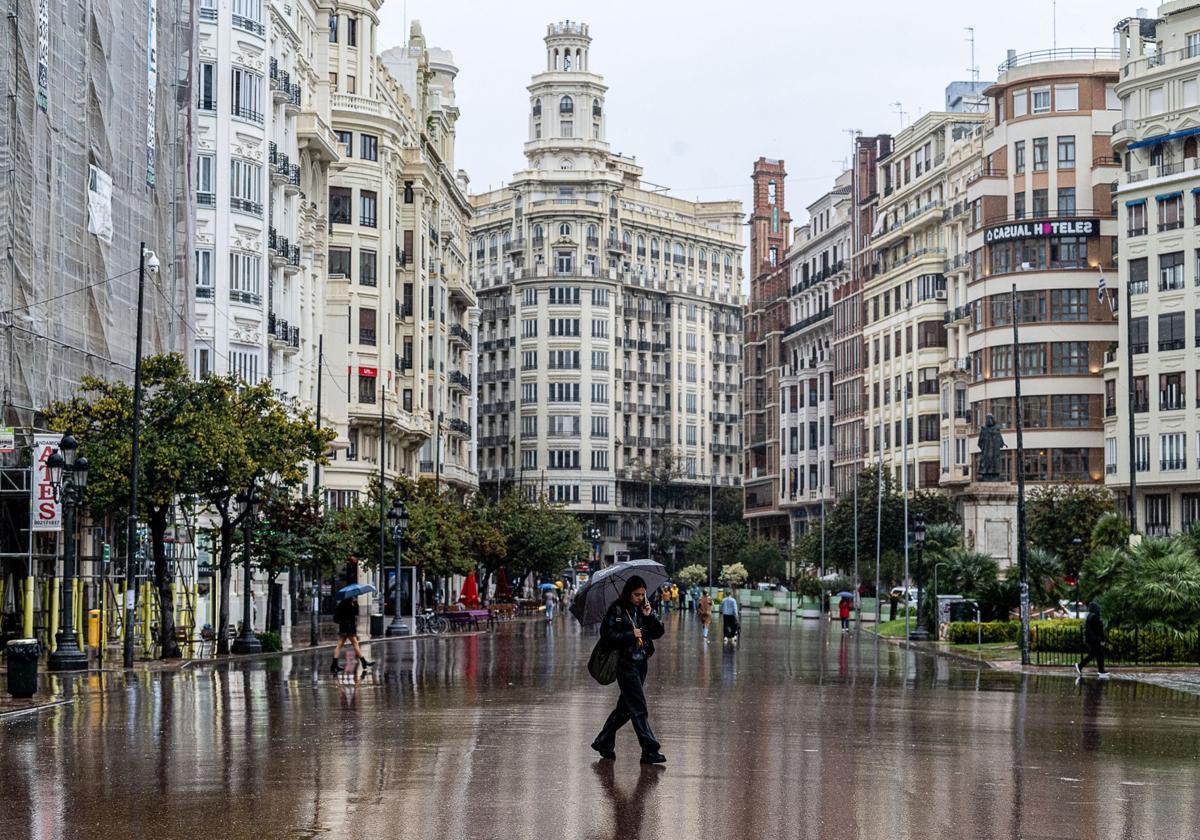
[346,616]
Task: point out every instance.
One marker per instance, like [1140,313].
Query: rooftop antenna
[974,68]
[899,109]
[1054,24]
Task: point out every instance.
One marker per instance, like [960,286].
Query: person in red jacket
[844,613]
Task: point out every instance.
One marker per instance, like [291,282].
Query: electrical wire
[68,294]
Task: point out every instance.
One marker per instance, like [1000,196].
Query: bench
[467,618]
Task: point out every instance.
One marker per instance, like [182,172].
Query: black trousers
[631,708]
[1095,652]
[730,625]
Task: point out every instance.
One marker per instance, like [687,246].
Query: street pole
[1133,529]
[920,634]
[67,655]
[1078,543]
[1022,555]
[381,567]
[650,514]
[314,620]
[878,538]
[399,518]
[904,492]
[131,525]
[247,642]
[711,480]
[857,585]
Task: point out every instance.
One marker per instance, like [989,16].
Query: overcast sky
[699,89]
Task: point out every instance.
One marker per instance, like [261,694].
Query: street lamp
[921,634]
[595,535]
[398,519]
[68,476]
[1078,543]
[247,642]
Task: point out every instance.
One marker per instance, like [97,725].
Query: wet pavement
[799,732]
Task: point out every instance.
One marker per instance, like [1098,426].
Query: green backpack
[602,664]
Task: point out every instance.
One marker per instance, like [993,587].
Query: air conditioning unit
[939,294]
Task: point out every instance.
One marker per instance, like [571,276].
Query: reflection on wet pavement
[798,732]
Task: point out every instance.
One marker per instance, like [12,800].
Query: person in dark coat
[345,613]
[1093,637]
[630,628]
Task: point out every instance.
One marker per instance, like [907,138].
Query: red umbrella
[503,592]
[469,597]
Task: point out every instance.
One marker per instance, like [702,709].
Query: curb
[933,650]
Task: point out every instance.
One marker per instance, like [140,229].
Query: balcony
[1170,344]
[459,380]
[1171,402]
[206,199]
[1168,464]
[292,185]
[247,25]
[458,427]
[291,105]
[250,208]
[1110,469]
[366,336]
[460,334]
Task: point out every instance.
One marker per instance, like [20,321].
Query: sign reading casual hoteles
[1041,230]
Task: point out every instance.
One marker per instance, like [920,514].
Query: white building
[611,317]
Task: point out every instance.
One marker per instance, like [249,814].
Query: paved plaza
[801,731]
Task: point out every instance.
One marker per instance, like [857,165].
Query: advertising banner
[47,513]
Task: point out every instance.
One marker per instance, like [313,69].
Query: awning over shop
[1164,138]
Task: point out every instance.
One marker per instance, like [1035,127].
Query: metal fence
[1064,646]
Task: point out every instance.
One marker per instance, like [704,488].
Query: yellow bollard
[77,603]
[27,609]
[93,628]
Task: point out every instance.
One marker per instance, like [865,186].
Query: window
[1068,252]
[1001,362]
[1070,357]
[206,187]
[529,328]
[206,83]
[566,128]
[529,428]
[1019,157]
[366,208]
[1172,451]
[600,360]
[1139,335]
[1170,272]
[529,297]
[529,360]
[599,426]
[1141,453]
[333,29]
[1066,201]
[600,393]
[1020,103]
[1170,331]
[1066,97]
[366,267]
[366,388]
[1155,101]
[566,425]
[599,297]
[566,105]
[369,146]
[1041,100]
[600,460]
[599,328]
[339,261]
[245,278]
[245,186]
[244,365]
[1170,211]
[1019,205]
[1033,360]
[529,393]
[366,326]
[561,295]
[1137,218]
[339,207]
[1066,152]
[204,273]
[563,360]
[1041,154]
[1069,305]
[563,493]
[564,262]
[333,82]
[1041,204]
[1139,276]
[351,31]
[564,327]
[247,95]
[1170,391]
[562,459]
[564,392]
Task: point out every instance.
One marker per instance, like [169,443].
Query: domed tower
[566,114]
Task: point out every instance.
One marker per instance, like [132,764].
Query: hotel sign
[1041,230]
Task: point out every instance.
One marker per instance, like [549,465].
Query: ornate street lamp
[596,537]
[68,476]
[398,519]
[247,642]
[921,634]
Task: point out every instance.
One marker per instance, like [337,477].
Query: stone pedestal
[989,513]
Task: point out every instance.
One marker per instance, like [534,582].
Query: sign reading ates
[1041,230]
[47,512]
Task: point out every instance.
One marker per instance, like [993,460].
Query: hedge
[1121,645]
[968,632]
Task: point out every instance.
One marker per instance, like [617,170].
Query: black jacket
[617,630]
[345,611]
[1093,630]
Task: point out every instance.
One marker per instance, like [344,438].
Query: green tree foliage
[1110,531]
[1153,585]
[693,575]
[734,575]
[1057,514]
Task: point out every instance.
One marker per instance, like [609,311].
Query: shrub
[968,632]
[270,641]
[693,575]
[1066,636]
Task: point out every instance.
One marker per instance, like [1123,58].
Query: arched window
[555,58]
[627,240]
[567,163]
[592,233]
[566,105]
[716,261]
[507,239]
[492,243]
[538,232]
[653,248]
[678,252]
[728,263]
[479,247]
[703,259]
[596,109]
[641,246]
[564,229]
[537,107]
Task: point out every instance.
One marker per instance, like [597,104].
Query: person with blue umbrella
[345,613]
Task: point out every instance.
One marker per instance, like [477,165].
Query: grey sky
[699,89]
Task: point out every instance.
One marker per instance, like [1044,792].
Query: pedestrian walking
[844,614]
[551,603]
[1093,637]
[729,617]
[630,628]
[704,607]
[346,616]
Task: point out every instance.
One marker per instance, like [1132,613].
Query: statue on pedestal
[991,441]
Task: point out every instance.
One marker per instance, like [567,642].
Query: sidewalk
[56,689]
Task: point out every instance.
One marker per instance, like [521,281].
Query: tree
[256,440]
[1057,514]
[839,527]
[763,559]
[935,506]
[176,440]
[661,474]
[1111,531]
[692,575]
[734,575]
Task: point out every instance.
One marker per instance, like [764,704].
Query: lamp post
[595,535]
[68,475]
[398,519]
[1078,543]
[937,606]
[247,642]
[921,634]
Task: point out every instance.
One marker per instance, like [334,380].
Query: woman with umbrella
[630,628]
[346,616]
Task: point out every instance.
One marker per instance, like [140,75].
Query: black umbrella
[593,599]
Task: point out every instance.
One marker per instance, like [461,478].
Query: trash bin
[376,624]
[93,630]
[22,655]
